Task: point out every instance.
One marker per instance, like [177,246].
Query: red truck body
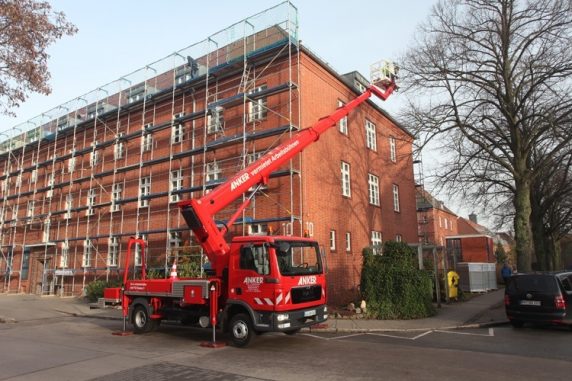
[256,283]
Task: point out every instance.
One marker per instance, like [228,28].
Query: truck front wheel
[142,322]
[241,330]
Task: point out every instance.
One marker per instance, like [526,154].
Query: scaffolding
[80,179]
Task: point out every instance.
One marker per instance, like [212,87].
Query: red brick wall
[477,249]
[324,204]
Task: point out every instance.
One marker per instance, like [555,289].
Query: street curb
[378,330]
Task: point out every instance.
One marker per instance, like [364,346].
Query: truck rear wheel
[142,322]
[241,330]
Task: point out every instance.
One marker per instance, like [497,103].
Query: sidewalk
[482,310]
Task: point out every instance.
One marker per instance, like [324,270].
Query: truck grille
[306,294]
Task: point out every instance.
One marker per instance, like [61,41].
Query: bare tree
[27,28]
[492,79]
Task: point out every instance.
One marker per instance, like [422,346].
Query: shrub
[94,290]
[393,286]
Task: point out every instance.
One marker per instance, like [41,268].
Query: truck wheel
[241,330]
[292,331]
[142,322]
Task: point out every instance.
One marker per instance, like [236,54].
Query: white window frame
[90,201]
[144,190]
[257,109]
[373,189]
[398,238]
[15,212]
[370,135]
[175,240]
[138,258]
[118,150]
[34,176]
[343,123]
[395,189]
[46,231]
[212,172]
[113,245]
[69,205]
[392,149]
[332,240]
[31,208]
[177,130]
[348,242]
[175,184]
[146,142]
[64,258]
[86,258]
[94,155]
[376,242]
[215,120]
[346,179]
[116,194]
[71,164]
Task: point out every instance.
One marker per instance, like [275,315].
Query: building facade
[80,180]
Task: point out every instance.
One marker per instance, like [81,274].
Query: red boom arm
[199,214]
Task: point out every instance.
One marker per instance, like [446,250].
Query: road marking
[490,333]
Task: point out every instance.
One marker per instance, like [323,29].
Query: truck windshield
[298,258]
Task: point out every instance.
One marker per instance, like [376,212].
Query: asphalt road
[74,348]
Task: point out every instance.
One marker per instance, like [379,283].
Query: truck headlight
[281,317]
[325,309]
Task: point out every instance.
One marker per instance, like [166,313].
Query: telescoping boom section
[199,213]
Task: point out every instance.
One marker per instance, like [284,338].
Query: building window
[118,150]
[91,200]
[34,176]
[144,191]
[215,120]
[376,242]
[146,142]
[30,210]
[46,232]
[15,213]
[398,238]
[213,172]
[360,86]
[69,205]
[177,129]
[373,186]
[113,251]
[19,180]
[332,240]
[71,164]
[343,123]
[175,185]
[86,260]
[346,188]
[116,193]
[396,198]
[348,242]
[175,240]
[446,223]
[370,136]
[257,106]
[392,150]
[64,259]
[94,156]
[138,252]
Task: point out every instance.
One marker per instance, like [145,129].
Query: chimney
[473,218]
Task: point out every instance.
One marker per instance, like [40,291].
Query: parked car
[539,298]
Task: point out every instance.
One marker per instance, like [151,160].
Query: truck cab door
[252,267]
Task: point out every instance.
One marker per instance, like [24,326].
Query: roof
[466,226]
[425,200]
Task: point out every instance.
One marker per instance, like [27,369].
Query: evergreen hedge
[393,286]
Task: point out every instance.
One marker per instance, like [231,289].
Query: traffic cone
[174,270]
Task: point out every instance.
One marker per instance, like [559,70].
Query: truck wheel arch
[136,302]
[234,307]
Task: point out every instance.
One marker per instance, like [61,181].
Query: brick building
[80,179]
[475,243]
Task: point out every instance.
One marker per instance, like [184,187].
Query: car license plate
[309,313]
[530,302]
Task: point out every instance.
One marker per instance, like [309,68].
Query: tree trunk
[538,236]
[522,230]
